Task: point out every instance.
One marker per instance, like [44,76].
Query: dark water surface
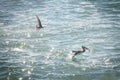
[29,54]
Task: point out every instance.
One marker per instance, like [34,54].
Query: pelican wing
[39,22]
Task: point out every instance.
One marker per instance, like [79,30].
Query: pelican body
[39,26]
[80,51]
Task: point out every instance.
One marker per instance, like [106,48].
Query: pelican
[80,51]
[39,26]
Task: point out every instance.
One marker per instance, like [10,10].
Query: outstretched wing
[39,22]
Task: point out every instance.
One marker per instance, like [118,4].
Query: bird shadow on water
[77,59]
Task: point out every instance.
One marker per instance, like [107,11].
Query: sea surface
[30,54]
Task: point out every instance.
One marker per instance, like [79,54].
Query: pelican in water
[39,26]
[80,51]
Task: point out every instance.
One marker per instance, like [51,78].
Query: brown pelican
[80,51]
[39,26]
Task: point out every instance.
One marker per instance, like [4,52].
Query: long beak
[88,49]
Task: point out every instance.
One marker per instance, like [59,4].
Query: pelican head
[85,48]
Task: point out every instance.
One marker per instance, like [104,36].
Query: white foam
[70,56]
[17,49]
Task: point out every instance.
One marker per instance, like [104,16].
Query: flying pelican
[80,51]
[39,26]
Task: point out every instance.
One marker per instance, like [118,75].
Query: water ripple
[29,54]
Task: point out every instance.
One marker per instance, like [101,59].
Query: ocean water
[30,54]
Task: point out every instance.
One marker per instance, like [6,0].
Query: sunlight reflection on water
[30,54]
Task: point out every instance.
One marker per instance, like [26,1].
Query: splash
[70,56]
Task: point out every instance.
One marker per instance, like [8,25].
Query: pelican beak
[87,49]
